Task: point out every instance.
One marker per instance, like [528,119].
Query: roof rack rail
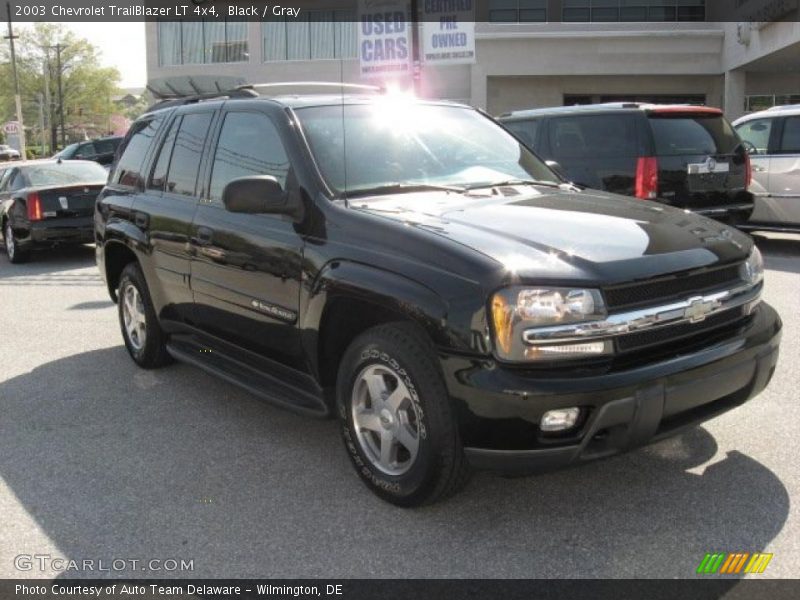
[181,100]
[320,84]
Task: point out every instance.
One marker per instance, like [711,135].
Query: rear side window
[17,181]
[158,178]
[129,167]
[524,130]
[692,135]
[185,162]
[249,144]
[581,136]
[756,135]
[790,141]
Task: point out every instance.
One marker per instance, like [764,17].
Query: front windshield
[360,147]
[65,173]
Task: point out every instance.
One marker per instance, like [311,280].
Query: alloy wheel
[11,247]
[133,316]
[385,419]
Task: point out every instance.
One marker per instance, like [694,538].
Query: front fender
[391,291]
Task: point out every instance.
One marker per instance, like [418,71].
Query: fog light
[560,420]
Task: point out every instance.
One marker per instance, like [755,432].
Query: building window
[518,11]
[763,102]
[201,42]
[319,35]
[600,11]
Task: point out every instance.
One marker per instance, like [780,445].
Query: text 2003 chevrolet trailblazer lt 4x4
[410,268]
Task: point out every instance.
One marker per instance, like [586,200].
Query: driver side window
[755,135]
[249,144]
[85,151]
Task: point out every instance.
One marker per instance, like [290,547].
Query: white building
[530,53]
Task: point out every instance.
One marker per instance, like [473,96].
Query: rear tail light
[748,171]
[647,178]
[34,207]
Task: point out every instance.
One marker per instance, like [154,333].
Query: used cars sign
[384,38]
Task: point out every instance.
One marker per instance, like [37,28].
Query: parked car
[47,202]
[772,137]
[8,153]
[100,150]
[412,269]
[684,156]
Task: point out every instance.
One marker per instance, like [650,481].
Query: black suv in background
[100,150]
[685,156]
[413,269]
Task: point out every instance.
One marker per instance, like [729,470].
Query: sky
[121,45]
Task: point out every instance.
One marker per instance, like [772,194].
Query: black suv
[685,156]
[411,268]
[100,150]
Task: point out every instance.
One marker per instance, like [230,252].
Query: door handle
[758,169]
[203,236]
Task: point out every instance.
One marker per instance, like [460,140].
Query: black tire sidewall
[132,275]
[20,254]
[415,485]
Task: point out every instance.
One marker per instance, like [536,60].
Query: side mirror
[557,169]
[260,194]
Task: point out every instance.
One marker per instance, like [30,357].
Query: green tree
[88,88]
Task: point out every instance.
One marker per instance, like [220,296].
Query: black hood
[568,234]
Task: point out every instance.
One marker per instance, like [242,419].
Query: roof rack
[180,100]
[248,90]
[319,84]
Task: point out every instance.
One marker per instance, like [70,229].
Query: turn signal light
[647,178]
[34,207]
[748,171]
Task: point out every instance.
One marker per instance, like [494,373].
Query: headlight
[516,309]
[753,269]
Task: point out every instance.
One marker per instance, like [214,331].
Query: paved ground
[99,460]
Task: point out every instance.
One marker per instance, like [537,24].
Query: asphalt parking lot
[100,460]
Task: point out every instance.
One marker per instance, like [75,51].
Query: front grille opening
[652,337]
[700,339]
[665,289]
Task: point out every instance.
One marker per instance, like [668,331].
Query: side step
[257,383]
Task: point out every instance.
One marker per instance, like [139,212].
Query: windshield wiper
[402,188]
[479,186]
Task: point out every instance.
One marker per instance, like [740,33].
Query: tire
[15,254]
[397,363]
[143,336]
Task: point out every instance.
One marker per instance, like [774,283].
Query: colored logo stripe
[732,563]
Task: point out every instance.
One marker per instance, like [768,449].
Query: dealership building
[529,53]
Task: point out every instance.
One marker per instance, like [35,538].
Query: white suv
[772,138]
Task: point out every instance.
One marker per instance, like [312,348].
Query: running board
[257,383]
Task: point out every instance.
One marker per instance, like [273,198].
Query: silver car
[8,153]
[772,138]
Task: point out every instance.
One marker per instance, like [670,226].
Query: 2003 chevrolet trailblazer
[411,268]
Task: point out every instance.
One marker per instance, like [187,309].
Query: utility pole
[17,98]
[40,102]
[59,48]
[48,103]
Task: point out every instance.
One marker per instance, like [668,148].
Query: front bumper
[499,408]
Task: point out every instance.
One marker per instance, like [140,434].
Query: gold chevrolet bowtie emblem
[698,309]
